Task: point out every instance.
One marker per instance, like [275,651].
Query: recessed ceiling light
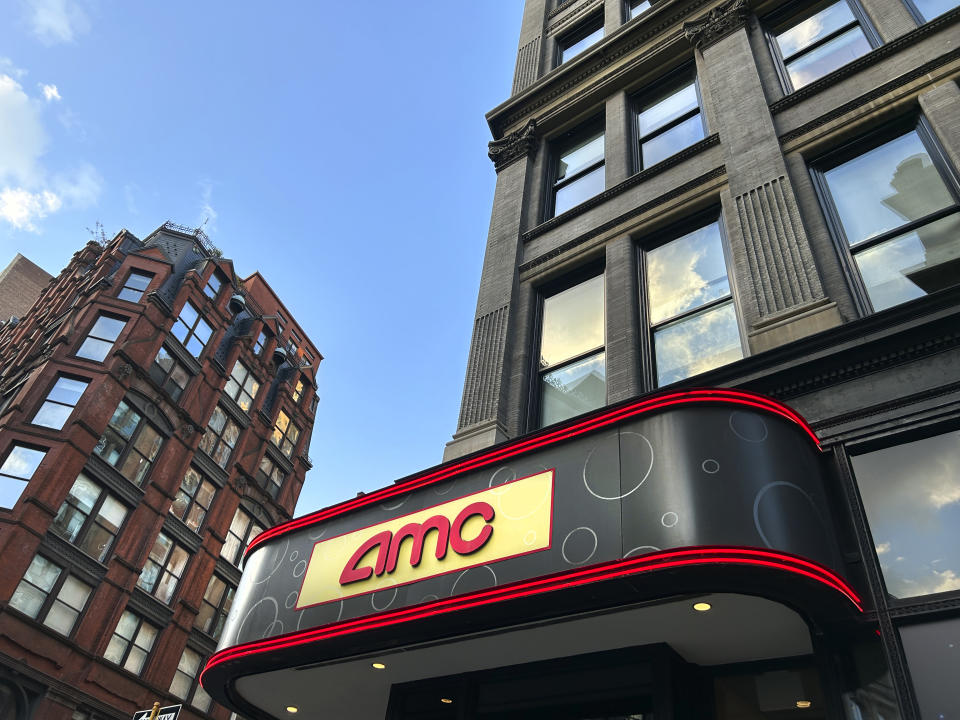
[292,709]
[702,606]
[446,701]
[803,703]
[378,666]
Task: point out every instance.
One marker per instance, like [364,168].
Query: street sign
[171,712]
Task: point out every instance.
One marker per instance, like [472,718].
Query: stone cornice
[516,145]
[574,17]
[717,24]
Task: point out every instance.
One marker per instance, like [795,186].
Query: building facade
[708,455]
[155,415]
[21,283]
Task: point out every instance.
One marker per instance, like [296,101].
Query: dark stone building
[708,455]
[155,415]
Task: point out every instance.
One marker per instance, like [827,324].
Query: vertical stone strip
[481,389]
[528,60]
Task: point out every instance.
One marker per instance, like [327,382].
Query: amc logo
[499,523]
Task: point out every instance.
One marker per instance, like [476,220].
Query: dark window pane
[887,187]
[583,188]
[697,343]
[573,389]
[933,655]
[814,28]
[576,47]
[912,265]
[572,322]
[686,273]
[672,141]
[828,57]
[911,493]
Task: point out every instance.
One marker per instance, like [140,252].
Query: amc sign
[495,524]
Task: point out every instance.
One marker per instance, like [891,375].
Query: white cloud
[208,216]
[80,188]
[883,548]
[56,21]
[50,92]
[23,139]
[8,68]
[21,208]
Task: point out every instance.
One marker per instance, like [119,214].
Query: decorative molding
[871,96]
[528,60]
[646,207]
[596,59]
[516,145]
[481,388]
[561,7]
[574,17]
[630,182]
[864,61]
[717,24]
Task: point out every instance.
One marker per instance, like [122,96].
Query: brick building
[155,415]
[20,285]
[708,459]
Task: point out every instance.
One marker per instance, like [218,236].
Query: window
[818,42]
[298,392]
[193,499]
[635,8]
[691,312]
[90,518]
[212,288]
[163,568]
[185,685]
[285,434]
[129,443]
[242,386]
[192,330]
[221,436]
[910,494]
[572,358]
[135,286]
[314,401]
[894,213]
[578,170]
[270,476]
[242,530]
[668,120]
[131,643]
[215,607]
[576,42]
[169,374]
[61,400]
[48,593]
[929,9]
[16,471]
[100,339]
[261,342]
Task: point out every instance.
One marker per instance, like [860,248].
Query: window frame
[192,501]
[584,29]
[129,644]
[548,290]
[5,476]
[260,344]
[628,8]
[163,378]
[190,696]
[209,431]
[918,16]
[793,14]
[46,399]
[164,568]
[648,353]
[253,521]
[675,78]
[130,443]
[218,618]
[126,286]
[241,390]
[208,287]
[284,434]
[266,480]
[91,518]
[191,333]
[89,335]
[857,147]
[52,596]
[570,138]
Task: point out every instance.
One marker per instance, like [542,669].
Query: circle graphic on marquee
[395,506]
[473,579]
[710,466]
[641,550]
[294,555]
[281,555]
[429,598]
[669,519]
[241,637]
[601,473]
[530,538]
[587,532]
[300,568]
[781,491]
[321,614]
[502,475]
[748,426]
[373,599]
[291,600]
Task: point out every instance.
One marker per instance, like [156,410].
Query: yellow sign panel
[485,527]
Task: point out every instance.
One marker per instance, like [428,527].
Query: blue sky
[339,148]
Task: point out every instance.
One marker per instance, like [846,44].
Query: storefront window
[911,494]
[933,656]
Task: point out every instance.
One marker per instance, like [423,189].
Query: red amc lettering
[448,534]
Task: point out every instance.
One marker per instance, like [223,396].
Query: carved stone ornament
[514,146]
[717,24]
[186,430]
[125,370]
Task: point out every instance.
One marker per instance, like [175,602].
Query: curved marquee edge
[664,560]
[537,441]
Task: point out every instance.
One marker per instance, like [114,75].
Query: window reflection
[668,122]
[930,9]
[579,168]
[574,44]
[911,493]
[891,203]
[934,661]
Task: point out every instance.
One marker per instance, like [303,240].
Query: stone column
[482,410]
[617,139]
[941,107]
[781,297]
[531,46]
[622,320]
